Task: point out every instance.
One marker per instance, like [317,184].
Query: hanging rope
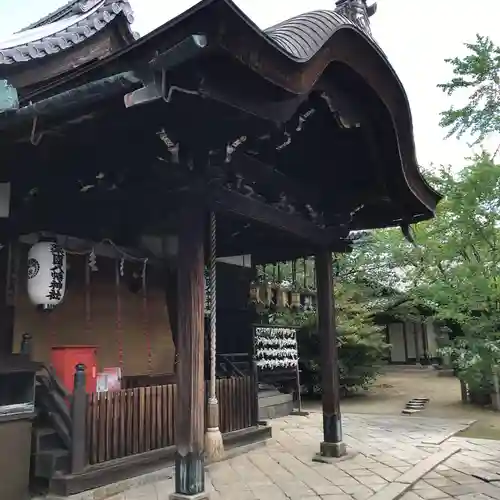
[119,269]
[214,445]
[213,304]
[145,312]
[88,298]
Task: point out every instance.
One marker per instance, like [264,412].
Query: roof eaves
[70,8]
[76,33]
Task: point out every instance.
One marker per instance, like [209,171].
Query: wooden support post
[8,259]
[190,404]
[78,421]
[332,445]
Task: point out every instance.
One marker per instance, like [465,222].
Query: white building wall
[431,338]
[410,340]
[397,341]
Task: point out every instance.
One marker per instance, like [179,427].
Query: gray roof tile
[70,25]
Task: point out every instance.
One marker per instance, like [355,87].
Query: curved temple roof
[293,56]
[70,25]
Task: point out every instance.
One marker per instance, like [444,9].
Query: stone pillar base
[333,450]
[198,496]
[329,452]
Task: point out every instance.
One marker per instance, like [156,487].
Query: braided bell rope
[212,299]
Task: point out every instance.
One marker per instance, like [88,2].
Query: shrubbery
[362,346]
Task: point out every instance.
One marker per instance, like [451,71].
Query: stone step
[414,406]
[409,411]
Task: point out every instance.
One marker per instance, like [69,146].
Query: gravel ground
[396,387]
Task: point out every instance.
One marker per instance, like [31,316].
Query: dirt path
[395,388]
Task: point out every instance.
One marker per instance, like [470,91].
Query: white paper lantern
[46,274]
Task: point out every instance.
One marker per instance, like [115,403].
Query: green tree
[455,269]
[362,346]
[478,75]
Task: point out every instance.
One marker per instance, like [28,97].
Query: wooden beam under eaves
[224,200]
[259,172]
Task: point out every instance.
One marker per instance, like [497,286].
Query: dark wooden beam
[224,200]
[332,445]
[267,175]
[190,404]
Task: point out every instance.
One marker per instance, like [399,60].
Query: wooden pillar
[8,259]
[190,405]
[78,421]
[332,445]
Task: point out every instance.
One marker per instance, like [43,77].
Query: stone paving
[471,474]
[388,457]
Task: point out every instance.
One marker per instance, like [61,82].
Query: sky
[416,35]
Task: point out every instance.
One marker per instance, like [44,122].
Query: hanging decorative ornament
[313,300]
[261,285]
[266,290]
[254,293]
[308,304]
[273,289]
[46,274]
[307,294]
[314,294]
[282,299]
[93,261]
[254,296]
[295,294]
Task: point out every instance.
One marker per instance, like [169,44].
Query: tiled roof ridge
[71,7]
[72,35]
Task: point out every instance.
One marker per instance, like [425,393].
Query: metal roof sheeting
[303,36]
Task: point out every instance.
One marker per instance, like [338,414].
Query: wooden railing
[132,421]
[237,400]
[134,381]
